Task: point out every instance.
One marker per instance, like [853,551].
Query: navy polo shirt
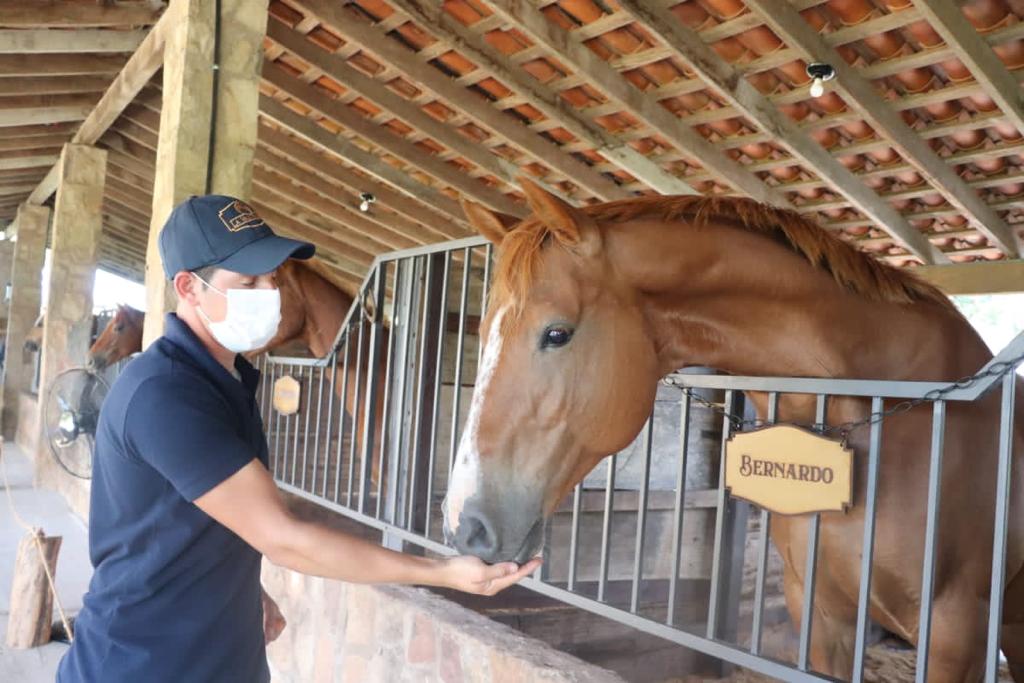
[175,595]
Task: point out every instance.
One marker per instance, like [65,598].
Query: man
[183,507]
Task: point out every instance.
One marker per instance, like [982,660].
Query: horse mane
[853,270]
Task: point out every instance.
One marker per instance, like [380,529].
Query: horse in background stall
[643,287]
[119,339]
[313,309]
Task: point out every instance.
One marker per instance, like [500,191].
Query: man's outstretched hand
[472,575]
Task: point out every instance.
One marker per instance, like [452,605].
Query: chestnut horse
[312,311]
[119,339]
[642,287]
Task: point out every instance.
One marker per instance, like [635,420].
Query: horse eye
[555,337]
[119,327]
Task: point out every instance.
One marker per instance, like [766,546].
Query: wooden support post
[189,110]
[31,616]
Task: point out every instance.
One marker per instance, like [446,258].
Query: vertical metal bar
[606,527]
[305,432]
[286,437]
[400,468]
[680,506]
[714,606]
[574,540]
[421,379]
[295,438]
[318,426]
[277,428]
[999,544]
[811,567]
[438,377]
[762,552]
[385,432]
[868,544]
[354,438]
[924,624]
[641,517]
[341,414]
[370,410]
[488,256]
[453,448]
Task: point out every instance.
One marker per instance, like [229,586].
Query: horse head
[120,338]
[567,375]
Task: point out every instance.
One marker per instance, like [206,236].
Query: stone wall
[352,633]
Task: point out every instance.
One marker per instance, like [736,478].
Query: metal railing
[378,426]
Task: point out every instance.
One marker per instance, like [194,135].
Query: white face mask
[252,318]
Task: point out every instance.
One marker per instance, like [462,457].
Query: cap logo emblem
[238,216]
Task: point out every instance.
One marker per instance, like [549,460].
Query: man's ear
[491,224]
[185,286]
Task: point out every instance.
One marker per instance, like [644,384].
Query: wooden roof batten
[686,45]
[787,23]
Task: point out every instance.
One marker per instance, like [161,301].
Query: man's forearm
[321,551]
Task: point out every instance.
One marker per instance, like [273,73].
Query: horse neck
[740,302]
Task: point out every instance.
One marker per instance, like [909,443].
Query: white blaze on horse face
[465,478]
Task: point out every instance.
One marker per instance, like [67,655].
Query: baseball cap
[222,231]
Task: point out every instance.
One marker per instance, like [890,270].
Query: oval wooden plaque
[286,395]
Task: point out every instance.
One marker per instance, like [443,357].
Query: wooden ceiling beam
[435,226]
[66,13]
[28,162]
[395,230]
[787,23]
[35,142]
[604,78]
[16,132]
[315,209]
[43,41]
[60,64]
[348,152]
[374,40]
[354,264]
[389,142]
[431,17]
[377,92]
[686,45]
[52,85]
[130,80]
[32,116]
[971,49]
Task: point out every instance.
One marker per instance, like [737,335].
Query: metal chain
[738,423]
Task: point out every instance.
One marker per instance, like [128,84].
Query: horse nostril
[476,536]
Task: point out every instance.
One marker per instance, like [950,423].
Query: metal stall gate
[651,538]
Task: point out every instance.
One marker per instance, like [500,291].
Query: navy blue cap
[215,230]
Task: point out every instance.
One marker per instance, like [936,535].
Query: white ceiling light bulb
[366,199]
[819,72]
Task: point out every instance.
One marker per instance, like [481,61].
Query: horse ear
[570,226]
[492,225]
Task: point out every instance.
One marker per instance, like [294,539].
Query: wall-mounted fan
[70,417]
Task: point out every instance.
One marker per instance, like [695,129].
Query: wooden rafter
[304,160]
[55,13]
[780,16]
[137,71]
[603,77]
[687,46]
[21,41]
[342,148]
[977,55]
[388,141]
[507,128]
[544,97]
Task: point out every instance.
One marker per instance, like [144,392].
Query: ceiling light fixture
[366,199]
[820,72]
